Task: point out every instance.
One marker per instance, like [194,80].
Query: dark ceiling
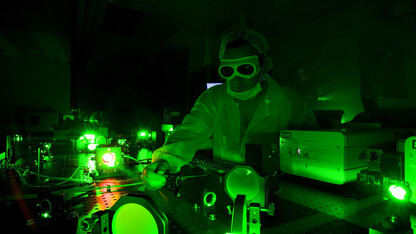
[119,31]
[103,39]
[115,44]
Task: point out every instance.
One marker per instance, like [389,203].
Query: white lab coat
[216,116]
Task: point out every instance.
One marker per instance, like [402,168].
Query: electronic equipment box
[330,156]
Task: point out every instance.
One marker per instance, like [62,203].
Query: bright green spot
[90,137]
[18,138]
[92,146]
[45,215]
[167,127]
[210,199]
[144,135]
[397,192]
[322,99]
[347,118]
[109,159]
[133,218]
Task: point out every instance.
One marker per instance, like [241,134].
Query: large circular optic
[133,218]
[242,181]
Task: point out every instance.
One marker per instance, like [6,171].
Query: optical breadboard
[330,156]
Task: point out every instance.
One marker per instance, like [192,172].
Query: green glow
[92,146]
[18,138]
[322,99]
[347,118]
[167,127]
[344,120]
[144,135]
[211,201]
[109,159]
[90,137]
[45,215]
[134,218]
[242,181]
[397,192]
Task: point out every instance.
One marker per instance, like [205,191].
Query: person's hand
[154,175]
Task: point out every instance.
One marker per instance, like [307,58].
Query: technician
[250,107]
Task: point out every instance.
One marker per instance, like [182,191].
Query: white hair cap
[254,38]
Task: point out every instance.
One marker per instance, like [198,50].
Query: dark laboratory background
[130,65]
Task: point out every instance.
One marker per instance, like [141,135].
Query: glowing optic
[90,137]
[145,135]
[397,192]
[125,220]
[92,146]
[45,215]
[210,198]
[109,159]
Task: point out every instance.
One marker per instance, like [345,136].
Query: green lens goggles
[245,67]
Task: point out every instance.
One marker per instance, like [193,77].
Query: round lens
[109,158]
[246,69]
[226,71]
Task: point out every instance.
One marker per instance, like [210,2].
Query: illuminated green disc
[92,146]
[133,218]
[397,192]
[242,181]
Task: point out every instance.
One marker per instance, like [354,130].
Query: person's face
[239,84]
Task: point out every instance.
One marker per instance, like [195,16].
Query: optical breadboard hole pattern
[341,207]
[182,216]
[286,213]
[338,226]
[102,199]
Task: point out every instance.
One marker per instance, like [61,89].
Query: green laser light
[92,146]
[90,138]
[397,192]
[109,159]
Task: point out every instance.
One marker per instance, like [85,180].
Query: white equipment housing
[334,157]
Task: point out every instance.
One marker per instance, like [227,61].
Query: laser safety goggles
[245,67]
